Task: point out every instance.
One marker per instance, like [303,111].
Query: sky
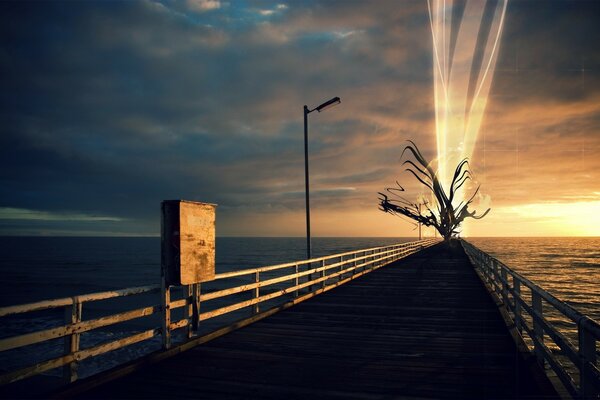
[108,108]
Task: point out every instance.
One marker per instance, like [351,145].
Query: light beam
[466,37]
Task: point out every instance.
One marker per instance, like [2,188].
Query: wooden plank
[80,327]
[67,301]
[179,324]
[408,246]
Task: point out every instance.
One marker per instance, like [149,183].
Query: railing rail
[530,318]
[303,278]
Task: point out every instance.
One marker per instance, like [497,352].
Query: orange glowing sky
[107,109]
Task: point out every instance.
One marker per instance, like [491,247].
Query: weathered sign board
[187,241]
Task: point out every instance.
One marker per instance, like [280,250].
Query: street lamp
[328,104]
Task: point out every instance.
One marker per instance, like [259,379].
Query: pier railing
[239,294]
[576,365]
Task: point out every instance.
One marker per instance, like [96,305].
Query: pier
[417,320]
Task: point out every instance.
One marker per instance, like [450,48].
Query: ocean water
[40,268]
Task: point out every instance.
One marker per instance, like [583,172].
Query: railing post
[496,268]
[296,280]
[187,309]
[310,277]
[193,301]
[538,330]
[165,295]
[196,305]
[488,268]
[341,267]
[256,308]
[323,273]
[517,296]
[504,287]
[587,355]
[72,316]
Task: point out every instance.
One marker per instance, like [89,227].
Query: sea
[42,268]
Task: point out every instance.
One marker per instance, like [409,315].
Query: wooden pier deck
[422,327]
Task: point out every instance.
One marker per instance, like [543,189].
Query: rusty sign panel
[188,242]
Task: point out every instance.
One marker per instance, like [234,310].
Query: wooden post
[496,275]
[587,355]
[165,296]
[310,277]
[72,316]
[296,280]
[538,330]
[256,308]
[323,274]
[489,269]
[518,317]
[504,276]
[196,306]
[189,293]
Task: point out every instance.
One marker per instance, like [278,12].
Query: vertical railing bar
[504,287]
[588,357]
[72,316]
[165,295]
[296,280]
[188,292]
[256,308]
[518,316]
[197,302]
[497,275]
[538,330]
[311,277]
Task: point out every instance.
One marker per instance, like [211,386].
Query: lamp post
[329,103]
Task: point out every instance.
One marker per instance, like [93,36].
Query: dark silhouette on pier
[443,214]
[422,327]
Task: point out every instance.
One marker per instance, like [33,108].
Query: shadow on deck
[422,327]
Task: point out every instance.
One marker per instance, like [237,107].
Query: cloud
[7,213]
[203,5]
[108,108]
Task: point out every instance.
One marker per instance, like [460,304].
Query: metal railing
[576,366]
[231,292]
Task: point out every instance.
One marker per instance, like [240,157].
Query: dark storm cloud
[110,107]
[107,108]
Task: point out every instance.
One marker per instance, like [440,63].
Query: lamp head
[328,104]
